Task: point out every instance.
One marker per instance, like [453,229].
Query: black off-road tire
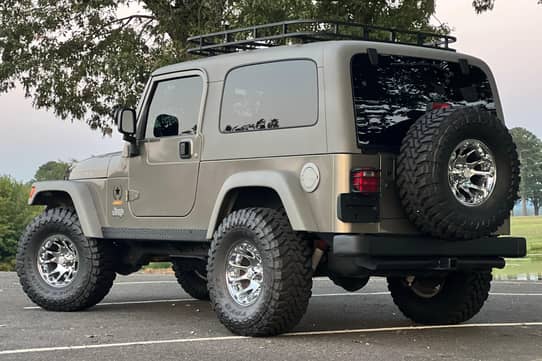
[192,279]
[286,261]
[422,173]
[350,284]
[96,271]
[461,297]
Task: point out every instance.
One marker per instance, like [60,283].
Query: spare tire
[458,173]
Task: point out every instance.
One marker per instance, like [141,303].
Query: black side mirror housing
[126,121]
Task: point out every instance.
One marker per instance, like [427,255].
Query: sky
[508,38]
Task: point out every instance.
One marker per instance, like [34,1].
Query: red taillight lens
[435,106]
[366,180]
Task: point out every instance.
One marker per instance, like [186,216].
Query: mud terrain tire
[461,297]
[95,274]
[286,267]
[194,280]
[423,180]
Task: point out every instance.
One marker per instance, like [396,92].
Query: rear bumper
[362,255]
[408,246]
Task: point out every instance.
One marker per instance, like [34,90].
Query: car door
[163,177]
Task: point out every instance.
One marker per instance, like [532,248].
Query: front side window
[274,95]
[175,107]
[391,95]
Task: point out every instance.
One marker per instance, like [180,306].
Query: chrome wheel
[472,172]
[244,273]
[58,261]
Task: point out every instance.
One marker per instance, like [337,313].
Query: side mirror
[126,120]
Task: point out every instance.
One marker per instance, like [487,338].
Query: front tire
[58,267]
[452,299]
[259,273]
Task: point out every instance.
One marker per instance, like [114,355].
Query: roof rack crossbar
[292,31]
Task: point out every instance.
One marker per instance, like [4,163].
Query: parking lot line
[318,279]
[352,294]
[317,295]
[129,302]
[522,283]
[291,334]
[125,283]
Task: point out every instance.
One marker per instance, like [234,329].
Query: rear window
[390,96]
[281,94]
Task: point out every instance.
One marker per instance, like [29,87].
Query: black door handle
[185,151]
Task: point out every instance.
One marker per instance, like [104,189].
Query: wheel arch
[263,189]
[70,194]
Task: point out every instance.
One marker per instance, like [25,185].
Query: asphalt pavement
[149,317]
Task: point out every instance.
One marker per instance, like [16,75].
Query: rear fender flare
[286,185]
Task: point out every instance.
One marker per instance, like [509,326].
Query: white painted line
[292,334]
[352,294]
[523,283]
[129,303]
[411,328]
[387,293]
[514,294]
[318,295]
[319,279]
[121,344]
[142,282]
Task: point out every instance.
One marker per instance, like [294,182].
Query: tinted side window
[174,107]
[268,96]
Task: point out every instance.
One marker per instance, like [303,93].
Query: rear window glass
[269,96]
[390,96]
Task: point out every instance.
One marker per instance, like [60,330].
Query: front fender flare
[285,184]
[82,200]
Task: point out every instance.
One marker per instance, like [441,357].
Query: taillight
[366,180]
[436,106]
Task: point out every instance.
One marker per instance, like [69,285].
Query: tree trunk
[523,206]
[536,207]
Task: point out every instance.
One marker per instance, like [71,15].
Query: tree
[15,214]
[82,58]
[52,171]
[529,148]
[484,5]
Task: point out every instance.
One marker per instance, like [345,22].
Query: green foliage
[15,214]
[82,58]
[529,148]
[52,171]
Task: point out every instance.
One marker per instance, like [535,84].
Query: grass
[531,266]
[158,265]
[530,228]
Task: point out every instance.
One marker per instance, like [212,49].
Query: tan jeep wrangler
[290,151]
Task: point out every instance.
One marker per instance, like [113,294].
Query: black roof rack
[306,31]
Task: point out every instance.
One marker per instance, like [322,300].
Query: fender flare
[285,184]
[81,198]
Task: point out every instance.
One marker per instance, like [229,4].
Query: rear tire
[92,277]
[259,273]
[452,191]
[192,279]
[459,298]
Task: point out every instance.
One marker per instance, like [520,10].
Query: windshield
[390,96]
